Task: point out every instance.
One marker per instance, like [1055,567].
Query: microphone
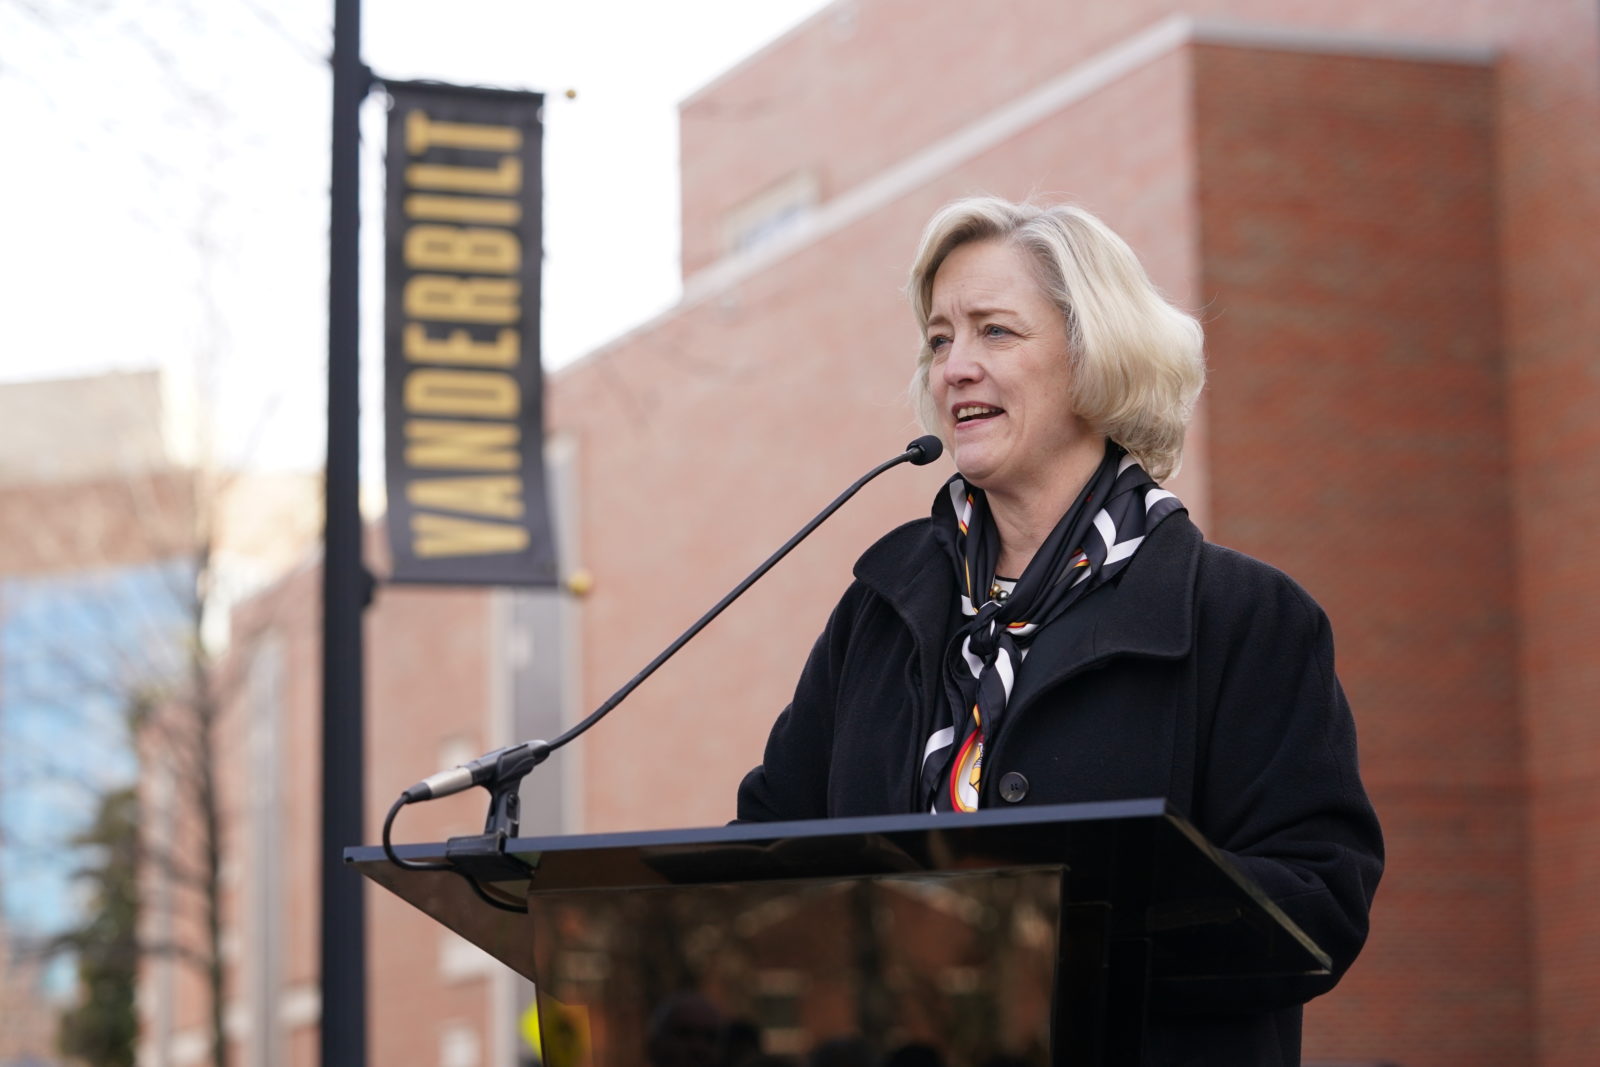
[497,770]
[927,448]
[497,764]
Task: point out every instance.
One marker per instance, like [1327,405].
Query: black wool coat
[1197,674]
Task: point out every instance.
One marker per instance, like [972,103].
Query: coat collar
[1148,610]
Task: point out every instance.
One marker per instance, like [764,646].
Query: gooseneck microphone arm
[921,451]
[501,769]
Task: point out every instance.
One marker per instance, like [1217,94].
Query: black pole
[344,578]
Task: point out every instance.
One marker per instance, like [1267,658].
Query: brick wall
[1357,440]
[1549,156]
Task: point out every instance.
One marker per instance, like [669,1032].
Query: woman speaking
[1059,631]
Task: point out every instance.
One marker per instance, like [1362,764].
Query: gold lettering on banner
[505,178]
[496,496]
[444,535]
[442,297]
[447,444]
[461,347]
[468,249]
[481,393]
[461,336]
[423,133]
[463,209]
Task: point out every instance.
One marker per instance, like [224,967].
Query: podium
[1025,935]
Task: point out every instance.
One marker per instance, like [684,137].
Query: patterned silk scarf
[1093,541]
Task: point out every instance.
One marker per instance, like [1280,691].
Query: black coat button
[1013,787]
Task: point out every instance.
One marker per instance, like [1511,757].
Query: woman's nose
[959,366]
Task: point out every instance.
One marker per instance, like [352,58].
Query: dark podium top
[963,892]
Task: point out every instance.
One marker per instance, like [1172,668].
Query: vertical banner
[464,387]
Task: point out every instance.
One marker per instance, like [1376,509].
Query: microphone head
[925,450]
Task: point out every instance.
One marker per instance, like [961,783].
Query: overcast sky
[165,187]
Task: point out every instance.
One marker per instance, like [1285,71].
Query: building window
[460,959]
[770,213]
[459,1045]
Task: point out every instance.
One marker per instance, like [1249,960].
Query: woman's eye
[994,330]
[938,342]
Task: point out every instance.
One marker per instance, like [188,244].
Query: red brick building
[1385,214]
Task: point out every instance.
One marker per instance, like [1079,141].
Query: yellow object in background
[565,1038]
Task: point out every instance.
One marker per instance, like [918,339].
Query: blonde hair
[1137,361]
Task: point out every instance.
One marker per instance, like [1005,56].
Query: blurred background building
[29,1036]
[120,563]
[97,521]
[1384,213]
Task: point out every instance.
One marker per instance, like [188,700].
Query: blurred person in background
[685,1030]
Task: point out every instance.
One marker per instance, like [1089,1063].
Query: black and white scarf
[1093,541]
